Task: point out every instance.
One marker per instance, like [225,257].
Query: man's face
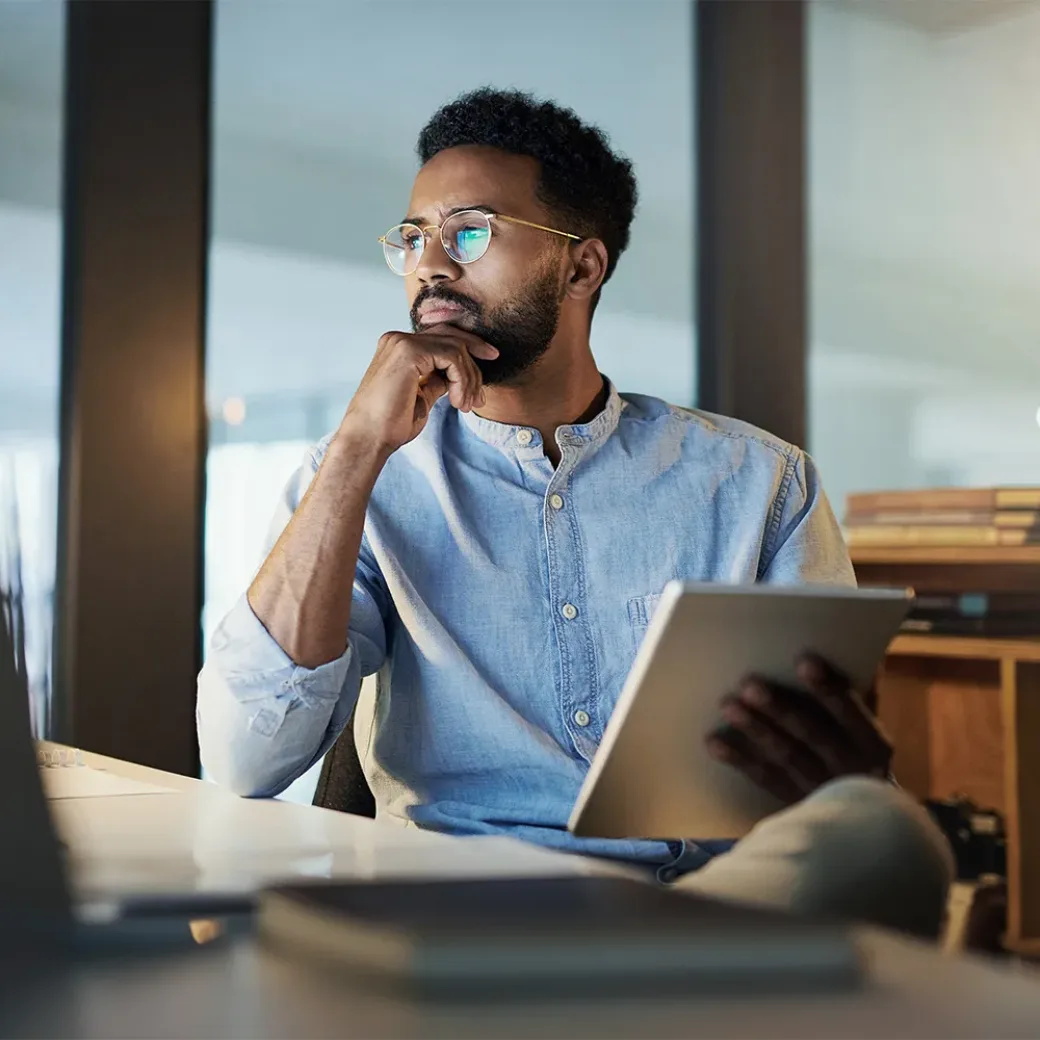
[511,296]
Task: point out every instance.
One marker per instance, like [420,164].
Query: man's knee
[873,852]
[857,849]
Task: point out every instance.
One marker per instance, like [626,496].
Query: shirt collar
[585,435]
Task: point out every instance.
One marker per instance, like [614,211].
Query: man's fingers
[821,677]
[452,350]
[433,387]
[799,759]
[473,381]
[730,746]
[806,721]
[833,691]
[462,374]
[469,341]
[480,349]
[461,383]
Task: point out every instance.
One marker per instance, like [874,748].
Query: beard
[520,329]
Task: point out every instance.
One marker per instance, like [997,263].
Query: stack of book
[944,517]
[994,615]
[954,518]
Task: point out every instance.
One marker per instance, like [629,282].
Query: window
[925,243]
[314,158]
[31,78]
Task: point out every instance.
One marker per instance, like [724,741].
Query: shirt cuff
[687,856]
[255,667]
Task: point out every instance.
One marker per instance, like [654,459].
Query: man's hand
[792,741]
[409,372]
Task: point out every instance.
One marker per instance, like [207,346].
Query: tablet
[652,776]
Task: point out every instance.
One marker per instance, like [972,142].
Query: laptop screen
[33,895]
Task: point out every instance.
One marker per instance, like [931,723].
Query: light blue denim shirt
[501,603]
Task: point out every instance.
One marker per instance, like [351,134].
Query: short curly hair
[591,188]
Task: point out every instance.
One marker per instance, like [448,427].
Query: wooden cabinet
[964,713]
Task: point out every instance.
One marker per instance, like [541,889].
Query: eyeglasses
[465,237]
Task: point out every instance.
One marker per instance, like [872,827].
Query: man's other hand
[792,740]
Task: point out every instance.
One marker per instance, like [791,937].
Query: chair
[342,785]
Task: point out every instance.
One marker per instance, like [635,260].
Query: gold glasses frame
[425,231]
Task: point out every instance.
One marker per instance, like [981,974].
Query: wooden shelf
[1017,555]
[964,715]
[1028,949]
[966,648]
[964,711]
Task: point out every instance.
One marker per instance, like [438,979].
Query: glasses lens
[402,247]
[466,236]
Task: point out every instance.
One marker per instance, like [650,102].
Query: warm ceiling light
[234,411]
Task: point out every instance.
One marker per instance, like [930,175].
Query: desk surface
[214,840]
[201,838]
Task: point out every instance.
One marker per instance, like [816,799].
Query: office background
[837,239]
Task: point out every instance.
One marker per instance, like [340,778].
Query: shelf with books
[959,689]
[1013,555]
[937,500]
[939,524]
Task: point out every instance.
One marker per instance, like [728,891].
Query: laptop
[37,908]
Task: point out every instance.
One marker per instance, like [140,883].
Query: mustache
[442,294]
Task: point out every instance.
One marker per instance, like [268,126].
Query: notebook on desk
[540,936]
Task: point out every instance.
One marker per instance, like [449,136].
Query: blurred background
[921,360]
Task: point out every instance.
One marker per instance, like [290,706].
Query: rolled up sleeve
[263,720]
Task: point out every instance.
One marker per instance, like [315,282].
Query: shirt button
[556,502]
[569,611]
[582,717]
[524,437]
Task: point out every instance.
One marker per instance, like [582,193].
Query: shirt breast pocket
[640,612]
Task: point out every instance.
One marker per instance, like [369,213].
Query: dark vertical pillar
[133,416]
[751,212]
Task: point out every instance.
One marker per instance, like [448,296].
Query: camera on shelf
[976,835]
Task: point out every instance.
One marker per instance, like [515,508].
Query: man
[508,520]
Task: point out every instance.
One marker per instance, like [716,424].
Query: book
[978,499]
[936,534]
[993,614]
[1016,518]
[550,935]
[993,626]
[977,604]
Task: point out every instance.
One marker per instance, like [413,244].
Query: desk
[244,990]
